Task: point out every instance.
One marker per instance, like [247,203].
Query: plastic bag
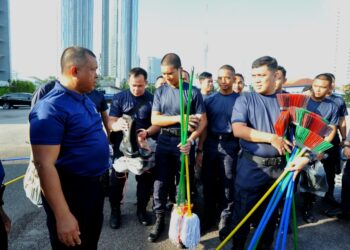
[31,184]
[313,179]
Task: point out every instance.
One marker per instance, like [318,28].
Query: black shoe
[329,199]
[115,220]
[144,218]
[308,217]
[157,229]
[333,212]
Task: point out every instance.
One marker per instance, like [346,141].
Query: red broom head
[292,111]
[313,140]
[316,124]
[282,123]
[283,100]
[298,100]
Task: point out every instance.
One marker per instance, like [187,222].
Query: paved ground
[29,229]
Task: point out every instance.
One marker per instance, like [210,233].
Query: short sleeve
[47,125]
[240,110]
[156,100]
[104,105]
[343,110]
[198,102]
[116,106]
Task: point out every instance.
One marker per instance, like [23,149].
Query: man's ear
[73,70]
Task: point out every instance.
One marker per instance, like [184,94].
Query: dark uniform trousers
[85,198]
[3,236]
[251,183]
[218,171]
[345,191]
[332,164]
[168,165]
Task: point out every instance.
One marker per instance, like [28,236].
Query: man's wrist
[199,151]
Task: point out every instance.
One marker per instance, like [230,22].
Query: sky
[299,34]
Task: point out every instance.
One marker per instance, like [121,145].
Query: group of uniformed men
[231,141]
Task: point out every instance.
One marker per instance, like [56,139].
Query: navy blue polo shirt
[167,101]
[99,100]
[42,91]
[326,108]
[71,120]
[259,112]
[124,103]
[219,111]
[2,173]
[339,101]
[207,96]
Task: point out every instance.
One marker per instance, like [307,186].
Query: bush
[4,90]
[22,86]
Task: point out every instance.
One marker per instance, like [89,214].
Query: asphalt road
[29,229]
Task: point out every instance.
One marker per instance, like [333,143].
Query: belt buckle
[265,162]
[220,137]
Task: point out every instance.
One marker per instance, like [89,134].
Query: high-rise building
[5,68]
[127,38]
[341,64]
[77,23]
[153,69]
[119,38]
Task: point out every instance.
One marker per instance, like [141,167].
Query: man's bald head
[74,56]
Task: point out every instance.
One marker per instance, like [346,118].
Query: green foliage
[22,86]
[4,90]
[151,88]
[347,94]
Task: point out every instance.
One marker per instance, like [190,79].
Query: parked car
[13,100]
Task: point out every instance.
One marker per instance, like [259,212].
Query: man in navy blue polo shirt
[206,82]
[136,102]
[220,151]
[5,222]
[326,108]
[70,152]
[166,113]
[261,160]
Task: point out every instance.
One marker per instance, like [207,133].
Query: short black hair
[205,75]
[306,88]
[138,71]
[332,76]
[283,70]
[268,61]
[158,77]
[171,59]
[228,67]
[325,77]
[240,75]
[74,55]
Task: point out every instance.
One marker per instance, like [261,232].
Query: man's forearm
[152,130]
[242,131]
[342,127]
[164,120]
[202,125]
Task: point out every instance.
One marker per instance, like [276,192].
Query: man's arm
[330,137]
[164,120]
[342,127]
[104,117]
[241,130]
[44,158]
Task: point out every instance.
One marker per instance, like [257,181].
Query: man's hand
[68,230]
[297,165]
[185,148]
[347,152]
[193,123]
[282,145]
[120,125]
[199,160]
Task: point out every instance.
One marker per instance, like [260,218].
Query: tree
[21,86]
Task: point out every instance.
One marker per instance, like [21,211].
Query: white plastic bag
[31,184]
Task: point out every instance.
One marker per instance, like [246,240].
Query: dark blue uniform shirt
[326,108]
[259,112]
[167,101]
[219,111]
[71,120]
[339,101]
[125,102]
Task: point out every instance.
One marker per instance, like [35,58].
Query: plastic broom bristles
[316,124]
[314,142]
[292,100]
[282,123]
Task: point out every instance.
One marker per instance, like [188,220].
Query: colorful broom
[185,226]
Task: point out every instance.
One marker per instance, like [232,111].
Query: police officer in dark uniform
[136,102]
[220,151]
[166,113]
[261,160]
[326,108]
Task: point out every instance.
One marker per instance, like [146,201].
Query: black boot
[157,228]
[143,217]
[115,220]
[224,228]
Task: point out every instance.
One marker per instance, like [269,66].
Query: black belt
[175,132]
[222,136]
[272,161]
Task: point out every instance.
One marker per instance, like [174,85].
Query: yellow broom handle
[188,186]
[223,243]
